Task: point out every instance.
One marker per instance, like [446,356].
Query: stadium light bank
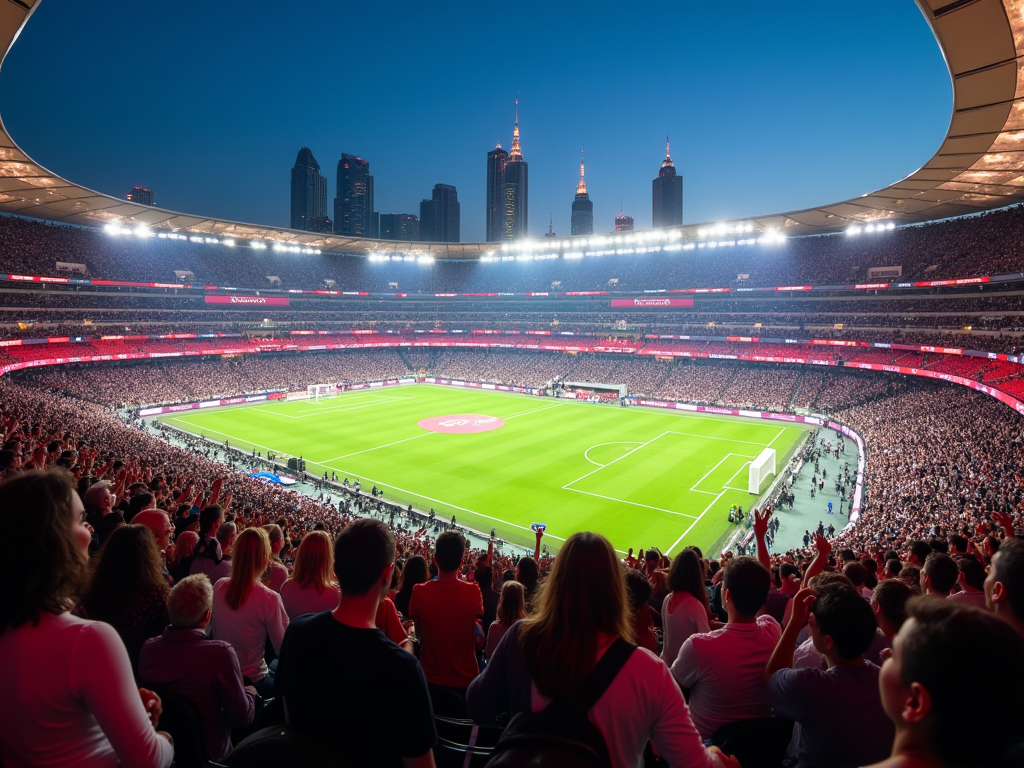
[882,226]
[145,233]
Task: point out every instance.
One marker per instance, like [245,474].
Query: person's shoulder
[767,622]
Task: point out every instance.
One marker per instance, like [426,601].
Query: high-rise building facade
[623,223]
[582,222]
[667,195]
[496,160]
[141,195]
[439,216]
[353,207]
[516,192]
[309,194]
[399,226]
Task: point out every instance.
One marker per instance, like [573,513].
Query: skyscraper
[623,223]
[353,207]
[516,190]
[667,194]
[399,226]
[141,195]
[496,160]
[439,216]
[309,194]
[582,222]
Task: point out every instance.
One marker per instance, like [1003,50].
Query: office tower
[667,194]
[516,190]
[496,160]
[439,216]
[623,223]
[141,195]
[551,229]
[353,207]
[309,194]
[582,222]
[399,226]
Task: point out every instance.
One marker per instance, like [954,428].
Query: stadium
[835,401]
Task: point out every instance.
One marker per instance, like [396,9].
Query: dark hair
[128,565]
[686,575]
[638,588]
[528,574]
[972,572]
[945,635]
[894,565]
[207,517]
[856,573]
[449,551]
[892,596]
[788,570]
[939,545]
[484,576]
[584,595]
[136,504]
[48,561]
[846,617]
[1008,564]
[748,582]
[363,549]
[919,549]
[958,541]
[415,572]
[942,571]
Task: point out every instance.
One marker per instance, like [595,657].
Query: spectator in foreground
[685,610]
[511,608]
[312,587]
[69,697]
[582,611]
[842,723]
[971,582]
[939,575]
[128,589]
[246,613]
[1004,585]
[185,662]
[638,593]
[370,683]
[445,612]
[934,728]
[226,536]
[724,669]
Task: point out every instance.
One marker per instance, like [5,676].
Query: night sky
[770,107]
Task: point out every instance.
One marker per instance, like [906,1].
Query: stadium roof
[978,167]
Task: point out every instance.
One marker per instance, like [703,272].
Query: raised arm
[760,529]
[782,656]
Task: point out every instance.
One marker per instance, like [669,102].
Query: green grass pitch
[643,477]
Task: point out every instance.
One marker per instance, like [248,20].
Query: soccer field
[642,477]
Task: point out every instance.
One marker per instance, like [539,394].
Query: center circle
[461,423]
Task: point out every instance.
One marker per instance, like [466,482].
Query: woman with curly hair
[127,589]
[69,697]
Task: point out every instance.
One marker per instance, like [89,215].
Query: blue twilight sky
[770,107]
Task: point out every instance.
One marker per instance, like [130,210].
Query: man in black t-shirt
[342,679]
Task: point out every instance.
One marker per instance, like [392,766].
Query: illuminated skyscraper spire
[667,162]
[581,188]
[515,153]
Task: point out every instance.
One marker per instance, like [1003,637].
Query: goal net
[761,468]
[318,391]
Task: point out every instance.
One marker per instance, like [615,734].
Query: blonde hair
[249,559]
[512,603]
[184,546]
[314,562]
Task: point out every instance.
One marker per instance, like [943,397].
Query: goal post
[316,391]
[761,468]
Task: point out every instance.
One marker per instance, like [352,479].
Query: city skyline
[756,128]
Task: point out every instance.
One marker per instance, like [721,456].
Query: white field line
[586,453]
[776,437]
[701,515]
[524,413]
[724,458]
[207,432]
[620,458]
[631,503]
[714,437]
[320,411]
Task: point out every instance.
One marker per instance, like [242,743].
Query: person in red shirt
[445,612]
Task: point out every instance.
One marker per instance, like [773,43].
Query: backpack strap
[604,672]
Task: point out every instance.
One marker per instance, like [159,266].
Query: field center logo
[461,423]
